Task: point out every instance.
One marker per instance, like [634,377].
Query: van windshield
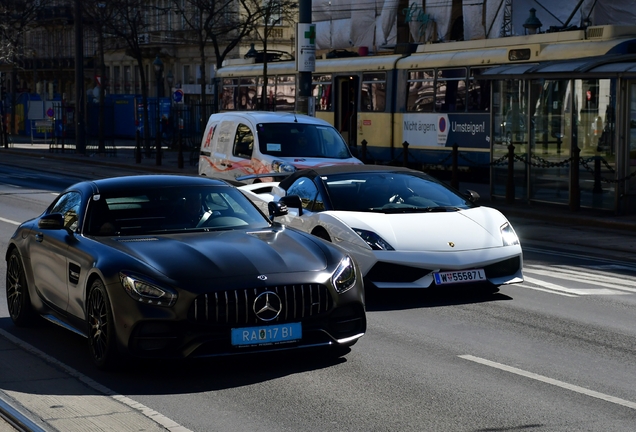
[301,140]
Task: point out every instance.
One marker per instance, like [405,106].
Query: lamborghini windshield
[392,192]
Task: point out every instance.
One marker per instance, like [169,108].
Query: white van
[243,143]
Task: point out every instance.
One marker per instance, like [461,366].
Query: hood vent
[140,239]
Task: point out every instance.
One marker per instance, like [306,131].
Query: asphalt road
[555,353]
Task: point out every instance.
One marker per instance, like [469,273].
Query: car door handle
[39,237]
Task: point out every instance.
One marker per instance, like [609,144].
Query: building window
[127,79]
[117,79]
[273,16]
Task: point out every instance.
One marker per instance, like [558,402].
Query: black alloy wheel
[18,300]
[101,329]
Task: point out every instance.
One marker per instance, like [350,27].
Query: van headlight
[282,167]
[344,278]
[147,292]
[508,235]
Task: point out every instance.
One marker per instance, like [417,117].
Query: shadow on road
[401,299]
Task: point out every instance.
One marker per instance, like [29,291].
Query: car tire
[101,327]
[18,298]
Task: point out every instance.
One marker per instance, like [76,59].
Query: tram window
[478,98]
[271,87]
[246,96]
[373,92]
[450,94]
[230,92]
[285,93]
[321,90]
[421,91]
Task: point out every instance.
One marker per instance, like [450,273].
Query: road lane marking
[552,381]
[571,292]
[147,412]
[9,221]
[600,279]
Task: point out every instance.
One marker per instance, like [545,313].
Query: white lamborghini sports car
[404,228]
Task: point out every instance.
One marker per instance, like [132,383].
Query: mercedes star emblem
[267,306]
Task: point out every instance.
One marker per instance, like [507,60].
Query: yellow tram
[432,98]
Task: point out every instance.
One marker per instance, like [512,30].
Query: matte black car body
[212,276]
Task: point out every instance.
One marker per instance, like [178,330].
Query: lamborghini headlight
[344,278]
[147,292]
[374,241]
[508,235]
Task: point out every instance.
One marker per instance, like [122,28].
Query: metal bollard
[510,183]
[363,151]
[137,147]
[405,161]
[180,157]
[597,175]
[575,188]
[454,172]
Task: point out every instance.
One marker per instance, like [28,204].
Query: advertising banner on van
[444,130]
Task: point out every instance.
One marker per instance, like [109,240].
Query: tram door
[346,107]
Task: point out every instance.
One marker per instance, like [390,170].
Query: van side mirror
[276,208]
[293,201]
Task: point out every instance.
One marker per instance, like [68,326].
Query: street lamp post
[174,121]
[158,64]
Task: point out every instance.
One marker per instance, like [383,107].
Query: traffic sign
[177,96]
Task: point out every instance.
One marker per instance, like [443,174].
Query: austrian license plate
[267,335]
[462,276]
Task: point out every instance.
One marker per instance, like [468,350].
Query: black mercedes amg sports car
[174,266]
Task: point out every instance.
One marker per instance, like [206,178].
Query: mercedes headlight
[282,167]
[508,235]
[374,241]
[344,278]
[146,292]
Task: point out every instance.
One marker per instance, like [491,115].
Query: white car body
[423,243]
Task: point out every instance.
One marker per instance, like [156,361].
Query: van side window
[243,142]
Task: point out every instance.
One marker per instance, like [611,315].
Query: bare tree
[16,18]
[128,21]
[97,13]
[222,23]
